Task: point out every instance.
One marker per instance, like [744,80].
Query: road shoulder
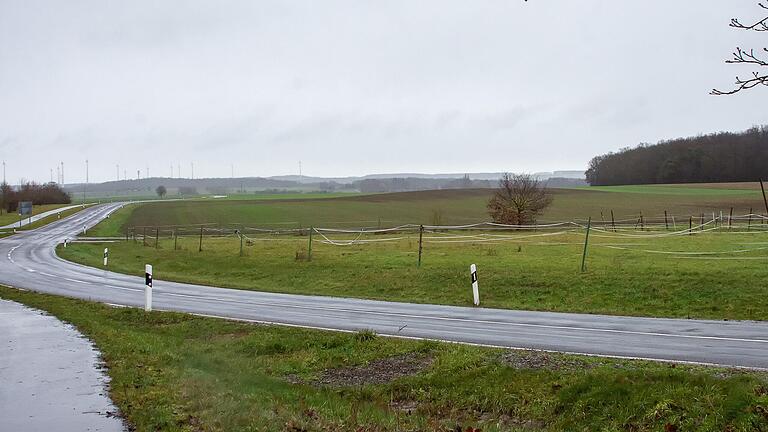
[50,375]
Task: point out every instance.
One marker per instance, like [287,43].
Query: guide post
[148,287]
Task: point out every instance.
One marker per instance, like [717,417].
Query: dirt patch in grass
[379,371]
[543,360]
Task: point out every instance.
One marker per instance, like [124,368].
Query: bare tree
[749,57]
[161,191]
[519,199]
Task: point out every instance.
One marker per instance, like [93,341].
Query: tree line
[718,157]
[48,193]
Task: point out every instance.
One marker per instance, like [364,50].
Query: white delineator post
[148,287]
[106,255]
[475,289]
[83,229]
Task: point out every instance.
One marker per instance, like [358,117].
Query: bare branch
[761,25]
[743,84]
[741,56]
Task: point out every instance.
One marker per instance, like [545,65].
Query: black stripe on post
[148,279]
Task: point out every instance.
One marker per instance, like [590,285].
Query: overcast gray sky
[356,87]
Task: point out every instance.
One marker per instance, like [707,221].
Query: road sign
[25,208]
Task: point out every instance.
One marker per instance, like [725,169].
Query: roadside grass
[176,372]
[661,277]
[9,218]
[49,219]
[40,223]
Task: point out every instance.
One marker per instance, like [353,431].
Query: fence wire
[629,234]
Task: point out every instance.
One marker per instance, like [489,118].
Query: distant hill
[719,157]
[573,174]
[293,183]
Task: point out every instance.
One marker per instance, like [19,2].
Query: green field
[176,372]
[444,207]
[257,195]
[749,189]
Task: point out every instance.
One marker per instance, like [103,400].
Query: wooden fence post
[200,248]
[421,235]
[730,219]
[586,242]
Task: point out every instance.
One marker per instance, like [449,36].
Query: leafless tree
[48,193]
[519,200]
[749,57]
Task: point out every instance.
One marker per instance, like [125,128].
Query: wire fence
[619,234]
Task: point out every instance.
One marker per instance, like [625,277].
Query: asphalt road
[29,261]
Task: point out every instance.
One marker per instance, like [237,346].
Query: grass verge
[49,219]
[11,218]
[41,222]
[176,372]
[541,272]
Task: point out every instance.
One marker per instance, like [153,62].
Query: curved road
[29,261]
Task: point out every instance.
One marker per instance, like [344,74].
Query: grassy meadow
[177,372]
[442,207]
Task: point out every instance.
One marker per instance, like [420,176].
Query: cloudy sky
[356,87]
